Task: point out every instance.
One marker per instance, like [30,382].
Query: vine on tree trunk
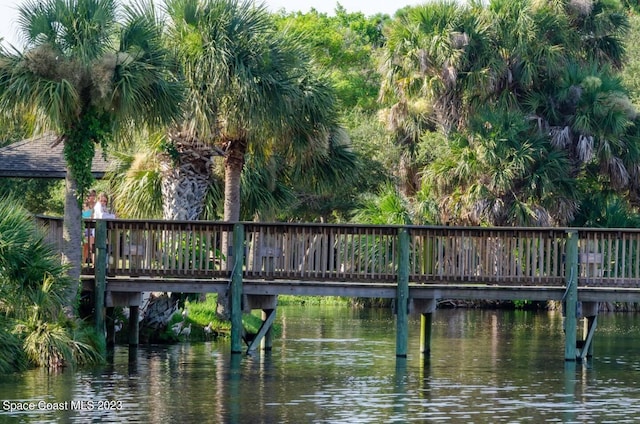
[79,146]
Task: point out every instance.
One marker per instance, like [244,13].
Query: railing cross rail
[358,253]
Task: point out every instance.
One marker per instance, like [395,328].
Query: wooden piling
[402,294]
[571,295]
[426,308]
[425,333]
[100,284]
[236,288]
[134,326]
[110,323]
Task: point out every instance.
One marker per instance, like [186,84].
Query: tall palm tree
[86,74]
[435,67]
[251,87]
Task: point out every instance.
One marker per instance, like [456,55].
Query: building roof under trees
[42,157]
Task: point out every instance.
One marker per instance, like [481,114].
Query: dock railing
[365,253]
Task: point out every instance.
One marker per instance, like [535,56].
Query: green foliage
[345,46]
[502,173]
[38,195]
[32,288]
[53,345]
[527,96]
[200,314]
[605,209]
[521,304]
[14,127]
[79,145]
[388,207]
[631,72]
[214,200]
[171,150]
[135,181]
[328,186]
[268,189]
[12,356]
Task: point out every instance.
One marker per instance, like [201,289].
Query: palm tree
[388,207]
[436,69]
[482,68]
[85,74]
[137,177]
[502,171]
[251,87]
[441,53]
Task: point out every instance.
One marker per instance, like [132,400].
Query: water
[338,365]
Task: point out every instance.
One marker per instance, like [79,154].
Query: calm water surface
[338,365]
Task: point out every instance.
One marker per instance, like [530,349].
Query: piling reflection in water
[335,364]
[569,390]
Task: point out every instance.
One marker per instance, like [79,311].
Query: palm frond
[82,29]
[12,357]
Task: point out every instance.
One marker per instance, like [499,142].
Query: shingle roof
[38,158]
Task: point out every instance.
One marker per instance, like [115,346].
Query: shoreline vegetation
[35,328]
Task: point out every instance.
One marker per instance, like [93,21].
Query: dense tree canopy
[528,97]
[507,112]
[85,72]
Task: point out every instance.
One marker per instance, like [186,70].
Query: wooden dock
[415,265]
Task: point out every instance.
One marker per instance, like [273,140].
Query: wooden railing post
[571,295]
[236,288]
[402,294]
[100,280]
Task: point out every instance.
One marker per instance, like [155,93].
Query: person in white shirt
[101,209]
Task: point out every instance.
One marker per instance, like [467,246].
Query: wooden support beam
[267,341]
[134,326]
[236,288]
[264,329]
[587,348]
[402,294]
[257,301]
[571,295]
[425,333]
[426,309]
[110,323]
[100,280]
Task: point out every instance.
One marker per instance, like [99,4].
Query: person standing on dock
[101,209]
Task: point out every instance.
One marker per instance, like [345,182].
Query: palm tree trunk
[72,241]
[185,178]
[408,179]
[233,165]
[183,193]
[185,181]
